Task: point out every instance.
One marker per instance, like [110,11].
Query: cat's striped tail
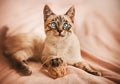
[3,34]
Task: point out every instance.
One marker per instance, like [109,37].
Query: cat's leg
[19,60]
[86,67]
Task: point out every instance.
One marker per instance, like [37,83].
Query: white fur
[61,47]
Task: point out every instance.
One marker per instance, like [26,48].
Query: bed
[97,27]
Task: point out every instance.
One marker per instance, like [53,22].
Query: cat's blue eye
[53,25]
[65,25]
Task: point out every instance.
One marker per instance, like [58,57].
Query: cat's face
[58,25]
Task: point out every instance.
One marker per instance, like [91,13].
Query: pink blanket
[97,26]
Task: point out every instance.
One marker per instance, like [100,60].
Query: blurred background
[97,25]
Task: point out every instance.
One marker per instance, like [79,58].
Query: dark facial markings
[59,23]
[58,20]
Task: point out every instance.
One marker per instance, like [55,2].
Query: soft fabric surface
[97,26]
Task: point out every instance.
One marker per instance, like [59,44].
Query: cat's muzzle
[60,33]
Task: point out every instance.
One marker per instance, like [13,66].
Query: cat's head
[58,25]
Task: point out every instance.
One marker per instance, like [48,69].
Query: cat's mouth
[60,35]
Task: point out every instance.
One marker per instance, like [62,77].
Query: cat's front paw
[57,68]
[56,62]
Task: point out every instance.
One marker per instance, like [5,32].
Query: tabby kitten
[61,45]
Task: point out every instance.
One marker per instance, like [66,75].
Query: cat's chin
[60,35]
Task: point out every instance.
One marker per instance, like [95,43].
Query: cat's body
[66,48]
[31,44]
[21,47]
[60,46]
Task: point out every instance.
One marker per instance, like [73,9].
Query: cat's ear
[47,12]
[71,13]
